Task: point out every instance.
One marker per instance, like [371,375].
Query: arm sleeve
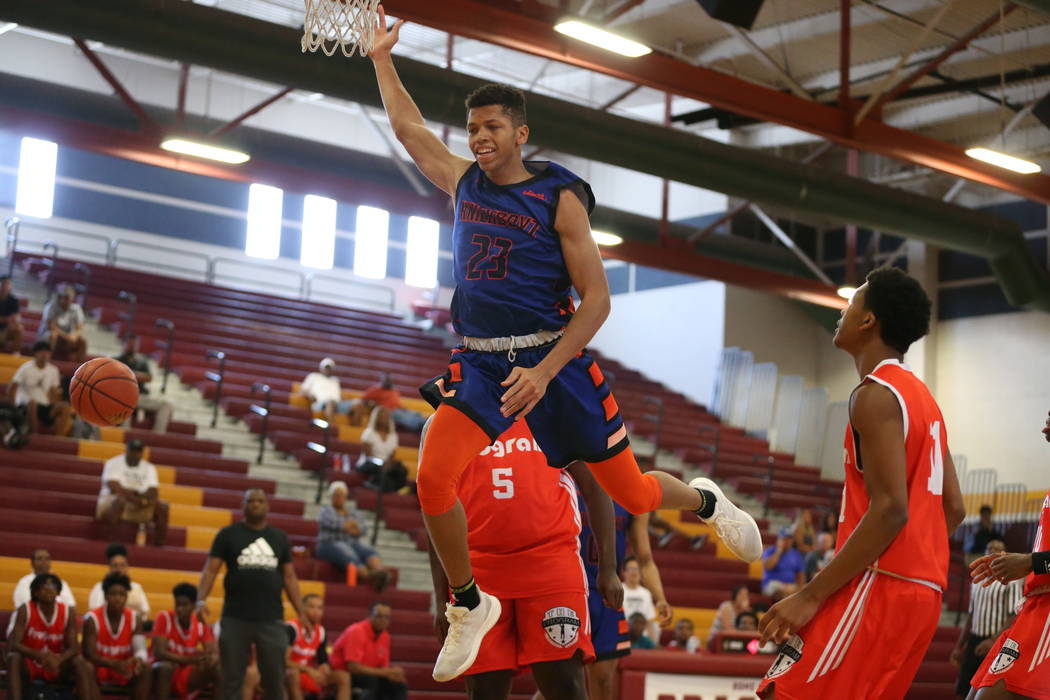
[219,545]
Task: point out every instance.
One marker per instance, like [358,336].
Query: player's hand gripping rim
[527,387]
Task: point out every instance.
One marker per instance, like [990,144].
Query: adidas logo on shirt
[257,555]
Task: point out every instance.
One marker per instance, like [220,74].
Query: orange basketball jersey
[523,520]
[1036,584]
[920,550]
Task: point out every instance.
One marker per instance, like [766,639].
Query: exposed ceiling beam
[145,122]
[250,112]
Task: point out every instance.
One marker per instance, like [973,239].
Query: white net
[340,25]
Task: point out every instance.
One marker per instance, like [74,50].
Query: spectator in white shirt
[37,385]
[323,390]
[62,325]
[117,557]
[129,493]
[638,599]
[41,563]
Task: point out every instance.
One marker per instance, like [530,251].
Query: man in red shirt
[362,652]
[186,658]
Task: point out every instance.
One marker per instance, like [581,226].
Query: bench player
[1018,665]
[521,242]
[861,627]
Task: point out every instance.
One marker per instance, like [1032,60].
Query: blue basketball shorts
[609,635]
[577,419]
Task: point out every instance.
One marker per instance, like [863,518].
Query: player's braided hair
[510,98]
[900,304]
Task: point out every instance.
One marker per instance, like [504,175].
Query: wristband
[1041,562]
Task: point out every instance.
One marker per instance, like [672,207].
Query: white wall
[673,335]
[993,386]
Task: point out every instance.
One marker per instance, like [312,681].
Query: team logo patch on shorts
[790,652]
[562,626]
[1008,653]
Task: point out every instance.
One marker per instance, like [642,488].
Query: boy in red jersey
[860,628]
[521,241]
[114,643]
[1018,665]
[43,642]
[184,649]
[524,536]
[307,666]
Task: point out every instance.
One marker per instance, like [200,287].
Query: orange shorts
[180,680]
[1021,655]
[308,684]
[865,642]
[108,676]
[36,672]
[550,627]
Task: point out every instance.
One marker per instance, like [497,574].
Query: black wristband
[1041,562]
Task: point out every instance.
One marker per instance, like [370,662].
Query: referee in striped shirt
[991,611]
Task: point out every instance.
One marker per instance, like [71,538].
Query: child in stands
[307,666]
[186,658]
[114,643]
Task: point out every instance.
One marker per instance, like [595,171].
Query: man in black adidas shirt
[258,563]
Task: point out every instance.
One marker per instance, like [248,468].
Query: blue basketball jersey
[589,543]
[510,274]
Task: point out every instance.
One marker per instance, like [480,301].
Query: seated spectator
[186,658]
[115,644]
[323,390]
[129,494]
[977,541]
[361,657]
[307,670]
[139,364]
[683,638]
[746,621]
[384,395]
[41,564]
[62,326]
[117,558]
[43,644]
[379,444]
[37,385]
[784,570]
[830,522]
[729,610]
[821,555]
[10,318]
[803,531]
[637,598]
[340,531]
[636,629]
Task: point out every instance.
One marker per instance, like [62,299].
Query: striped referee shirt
[992,606]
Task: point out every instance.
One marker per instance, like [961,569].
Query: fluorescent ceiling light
[1018,165]
[317,248]
[370,242]
[264,222]
[846,291]
[5,28]
[35,195]
[605,238]
[421,260]
[203,150]
[601,38]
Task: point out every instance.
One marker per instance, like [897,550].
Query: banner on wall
[675,685]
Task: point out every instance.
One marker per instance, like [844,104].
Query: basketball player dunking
[521,241]
[1018,665]
[861,627]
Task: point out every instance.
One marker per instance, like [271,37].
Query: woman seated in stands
[378,446]
[339,538]
[729,611]
[804,531]
[117,558]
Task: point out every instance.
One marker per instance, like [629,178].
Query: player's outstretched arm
[876,417]
[432,157]
[603,524]
[527,385]
[643,552]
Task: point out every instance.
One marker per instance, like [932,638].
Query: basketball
[104,391]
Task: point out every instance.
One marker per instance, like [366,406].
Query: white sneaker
[466,630]
[733,526]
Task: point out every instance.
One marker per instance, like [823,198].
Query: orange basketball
[104,391]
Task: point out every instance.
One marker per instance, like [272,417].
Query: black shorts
[43,414]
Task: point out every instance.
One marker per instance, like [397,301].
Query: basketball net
[340,25]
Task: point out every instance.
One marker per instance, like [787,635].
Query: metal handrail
[263,411]
[11,225]
[658,419]
[308,284]
[129,316]
[216,377]
[214,262]
[327,428]
[714,446]
[165,323]
[114,246]
[770,462]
